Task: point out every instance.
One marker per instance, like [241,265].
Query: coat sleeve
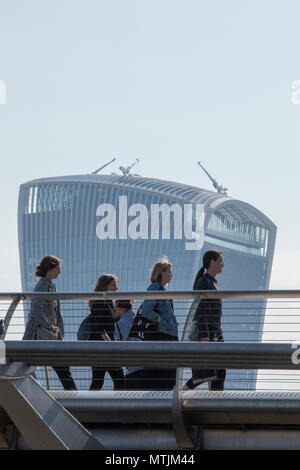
[100,317]
[148,306]
[60,322]
[39,308]
[202,312]
[215,319]
[125,324]
[203,320]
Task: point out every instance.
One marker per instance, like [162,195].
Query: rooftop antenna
[101,168]
[126,171]
[220,189]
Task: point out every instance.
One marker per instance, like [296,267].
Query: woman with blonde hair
[160,312]
[102,329]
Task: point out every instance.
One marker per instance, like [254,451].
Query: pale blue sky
[171,82]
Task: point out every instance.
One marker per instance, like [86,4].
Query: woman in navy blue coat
[102,329]
[207,320]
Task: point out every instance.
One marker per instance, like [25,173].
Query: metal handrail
[156,354]
[142,295]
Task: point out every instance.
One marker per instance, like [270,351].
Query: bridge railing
[258,326]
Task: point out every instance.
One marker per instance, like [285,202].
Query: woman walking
[45,321]
[161,312]
[124,320]
[102,329]
[207,320]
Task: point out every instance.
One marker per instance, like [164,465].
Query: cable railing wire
[267,329]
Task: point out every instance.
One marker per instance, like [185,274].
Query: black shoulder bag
[142,328]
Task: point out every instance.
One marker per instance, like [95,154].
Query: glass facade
[59,216]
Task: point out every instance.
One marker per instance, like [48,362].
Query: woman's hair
[102,283]
[161,265]
[207,257]
[126,304]
[46,264]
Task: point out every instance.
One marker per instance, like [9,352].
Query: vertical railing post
[47,378]
[187,330]
[11,310]
[180,427]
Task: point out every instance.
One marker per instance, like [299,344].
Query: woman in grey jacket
[45,320]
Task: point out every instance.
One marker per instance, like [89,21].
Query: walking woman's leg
[135,380]
[97,378]
[117,375]
[162,379]
[199,376]
[64,375]
[219,383]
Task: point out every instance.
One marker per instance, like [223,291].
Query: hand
[204,339]
[105,337]
[158,320]
[221,339]
[55,329]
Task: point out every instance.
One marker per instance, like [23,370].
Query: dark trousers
[219,383]
[159,379]
[151,379]
[65,377]
[116,374]
[135,380]
[200,376]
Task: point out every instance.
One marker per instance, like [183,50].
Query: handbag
[194,333]
[45,335]
[84,330]
[143,328]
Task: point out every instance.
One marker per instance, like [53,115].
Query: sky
[169,82]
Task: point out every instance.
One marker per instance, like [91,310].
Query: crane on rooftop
[220,189]
[126,171]
[101,168]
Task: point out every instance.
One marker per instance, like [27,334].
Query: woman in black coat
[207,320]
[102,329]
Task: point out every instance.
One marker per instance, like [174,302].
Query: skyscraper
[123,224]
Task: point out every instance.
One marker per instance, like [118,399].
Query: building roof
[184,192]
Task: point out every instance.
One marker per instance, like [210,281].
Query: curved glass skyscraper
[122,224]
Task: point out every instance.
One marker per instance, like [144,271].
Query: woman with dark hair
[207,320]
[124,316]
[45,321]
[102,329]
[134,378]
